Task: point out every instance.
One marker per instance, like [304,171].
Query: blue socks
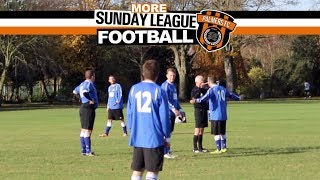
[108,127]
[167,150]
[223,142]
[87,142]
[82,143]
[218,141]
[124,127]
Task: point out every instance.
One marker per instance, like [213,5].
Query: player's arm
[86,93]
[167,92]
[107,99]
[232,96]
[164,116]
[178,106]
[119,94]
[76,90]
[204,97]
[130,108]
[193,96]
[194,93]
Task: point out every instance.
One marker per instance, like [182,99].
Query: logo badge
[214,28]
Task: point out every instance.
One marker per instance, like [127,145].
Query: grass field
[266,140]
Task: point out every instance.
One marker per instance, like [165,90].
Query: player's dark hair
[150,70]
[212,79]
[223,83]
[89,73]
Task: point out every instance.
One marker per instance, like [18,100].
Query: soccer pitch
[266,140]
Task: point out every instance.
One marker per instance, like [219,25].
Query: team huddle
[152,112]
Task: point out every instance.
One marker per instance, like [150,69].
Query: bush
[257,85]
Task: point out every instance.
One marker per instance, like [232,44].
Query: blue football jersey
[115,96]
[87,86]
[217,97]
[148,115]
[172,95]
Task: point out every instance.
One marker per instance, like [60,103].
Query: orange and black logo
[214,29]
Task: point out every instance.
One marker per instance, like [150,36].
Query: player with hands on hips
[89,102]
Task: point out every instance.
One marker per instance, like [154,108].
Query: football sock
[124,127]
[83,145]
[136,177]
[223,141]
[218,141]
[151,176]
[87,141]
[195,140]
[167,150]
[200,141]
[109,125]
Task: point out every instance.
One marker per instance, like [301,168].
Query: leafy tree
[258,79]
[306,59]
[280,81]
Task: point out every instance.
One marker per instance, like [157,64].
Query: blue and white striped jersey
[115,96]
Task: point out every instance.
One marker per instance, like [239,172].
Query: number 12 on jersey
[145,98]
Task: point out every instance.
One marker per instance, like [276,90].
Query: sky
[303,5]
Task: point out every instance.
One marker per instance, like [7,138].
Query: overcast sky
[304,5]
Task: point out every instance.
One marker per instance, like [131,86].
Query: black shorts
[115,114]
[201,118]
[218,127]
[87,116]
[150,159]
[172,119]
[306,92]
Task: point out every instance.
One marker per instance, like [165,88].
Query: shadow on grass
[189,132]
[263,151]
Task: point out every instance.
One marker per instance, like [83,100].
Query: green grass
[266,140]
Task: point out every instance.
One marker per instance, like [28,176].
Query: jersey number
[222,95]
[146,105]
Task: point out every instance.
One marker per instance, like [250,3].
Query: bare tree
[316,5]
[9,49]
